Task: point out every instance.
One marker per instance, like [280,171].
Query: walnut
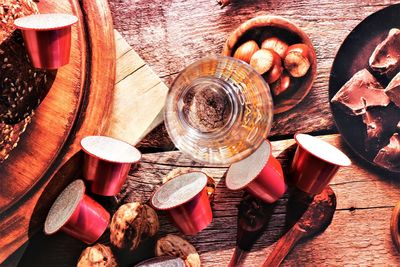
[132,223]
[179,171]
[173,245]
[97,256]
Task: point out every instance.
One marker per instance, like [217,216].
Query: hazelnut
[131,223]
[97,256]
[297,60]
[282,84]
[173,245]
[275,44]
[275,72]
[246,50]
[262,60]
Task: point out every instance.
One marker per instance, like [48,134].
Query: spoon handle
[236,257]
[283,247]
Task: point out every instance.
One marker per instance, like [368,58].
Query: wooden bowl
[261,27]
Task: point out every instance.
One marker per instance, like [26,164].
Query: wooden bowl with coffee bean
[281,52]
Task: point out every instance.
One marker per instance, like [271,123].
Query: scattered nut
[297,60]
[275,72]
[262,60]
[173,245]
[275,44]
[246,50]
[132,223]
[97,256]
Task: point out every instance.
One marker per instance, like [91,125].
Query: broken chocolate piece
[393,90]
[389,156]
[360,92]
[381,123]
[386,57]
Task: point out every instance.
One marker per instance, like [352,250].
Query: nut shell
[246,50]
[262,60]
[297,60]
[273,75]
[282,84]
[131,223]
[151,223]
[97,256]
[173,245]
[275,44]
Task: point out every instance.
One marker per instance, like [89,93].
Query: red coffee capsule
[77,215]
[185,199]
[315,163]
[260,174]
[107,162]
[47,38]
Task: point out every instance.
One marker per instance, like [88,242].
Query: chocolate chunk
[360,92]
[389,156]
[393,90]
[386,57]
[381,123]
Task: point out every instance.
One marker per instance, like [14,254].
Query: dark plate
[353,56]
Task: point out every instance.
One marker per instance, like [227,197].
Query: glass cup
[218,110]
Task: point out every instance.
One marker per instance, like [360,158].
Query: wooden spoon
[253,216]
[315,219]
[395,226]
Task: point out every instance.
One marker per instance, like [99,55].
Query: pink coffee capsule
[315,163]
[77,215]
[186,201]
[260,174]
[107,162]
[47,38]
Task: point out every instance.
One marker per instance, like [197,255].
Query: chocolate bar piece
[389,156]
[360,92]
[381,123]
[393,89]
[386,57]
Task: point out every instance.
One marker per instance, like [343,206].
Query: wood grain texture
[359,233]
[129,66]
[17,177]
[139,96]
[171,34]
[93,74]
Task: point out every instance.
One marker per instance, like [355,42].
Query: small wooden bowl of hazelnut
[281,52]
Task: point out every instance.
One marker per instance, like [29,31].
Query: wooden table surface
[169,35]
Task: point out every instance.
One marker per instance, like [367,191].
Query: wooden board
[59,109]
[359,233]
[136,93]
[77,105]
[138,98]
[169,35]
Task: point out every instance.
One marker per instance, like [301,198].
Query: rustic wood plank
[139,96]
[169,35]
[77,107]
[129,96]
[359,233]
